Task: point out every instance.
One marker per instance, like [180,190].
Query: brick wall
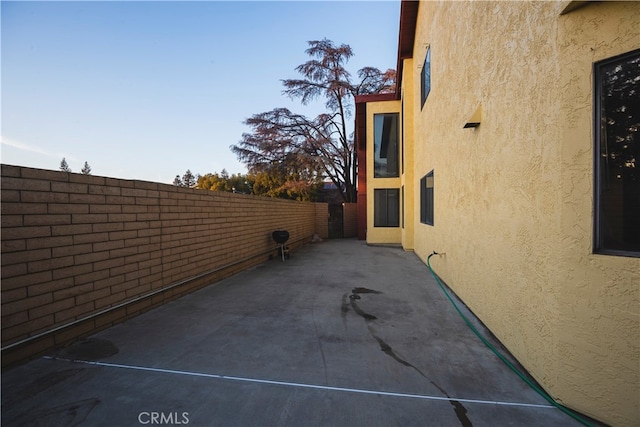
[80,253]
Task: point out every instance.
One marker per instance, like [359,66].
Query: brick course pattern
[80,252]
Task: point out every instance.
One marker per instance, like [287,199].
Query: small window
[617,148]
[425,78]
[426,199]
[385,145]
[386,210]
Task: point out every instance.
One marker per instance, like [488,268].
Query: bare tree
[321,147]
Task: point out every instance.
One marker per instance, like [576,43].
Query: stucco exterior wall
[379,235]
[600,346]
[407,157]
[514,197]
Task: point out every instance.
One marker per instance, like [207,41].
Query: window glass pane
[393,208]
[386,207]
[385,145]
[380,208]
[618,187]
[402,209]
[423,205]
[425,77]
[426,199]
[402,139]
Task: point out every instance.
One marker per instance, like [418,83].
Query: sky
[148,89]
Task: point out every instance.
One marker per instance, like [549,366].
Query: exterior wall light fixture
[474,121]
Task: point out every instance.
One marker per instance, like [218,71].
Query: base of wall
[45,342]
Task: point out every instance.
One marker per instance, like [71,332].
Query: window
[425,78]
[385,145]
[426,199]
[402,206]
[402,125]
[617,148]
[386,209]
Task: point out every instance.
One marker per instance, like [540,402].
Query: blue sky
[146,90]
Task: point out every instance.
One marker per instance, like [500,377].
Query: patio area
[341,334]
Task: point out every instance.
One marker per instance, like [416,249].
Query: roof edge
[406,36]
[377,97]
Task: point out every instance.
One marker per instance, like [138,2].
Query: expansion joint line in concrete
[299,385]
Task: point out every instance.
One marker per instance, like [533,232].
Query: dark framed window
[402,133]
[425,78]
[386,209]
[426,199]
[617,152]
[385,145]
[402,206]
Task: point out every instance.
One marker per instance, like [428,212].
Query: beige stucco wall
[379,235]
[601,315]
[514,197]
[403,235]
[408,160]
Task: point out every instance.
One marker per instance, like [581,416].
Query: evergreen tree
[64,166]
[177,181]
[86,170]
[188,180]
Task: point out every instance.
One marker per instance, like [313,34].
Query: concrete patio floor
[342,334]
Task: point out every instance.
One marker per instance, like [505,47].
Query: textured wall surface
[601,312]
[75,246]
[514,197]
[378,235]
[411,205]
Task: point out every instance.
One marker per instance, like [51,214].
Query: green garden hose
[541,392]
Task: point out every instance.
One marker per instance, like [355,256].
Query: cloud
[30,148]
[23,146]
